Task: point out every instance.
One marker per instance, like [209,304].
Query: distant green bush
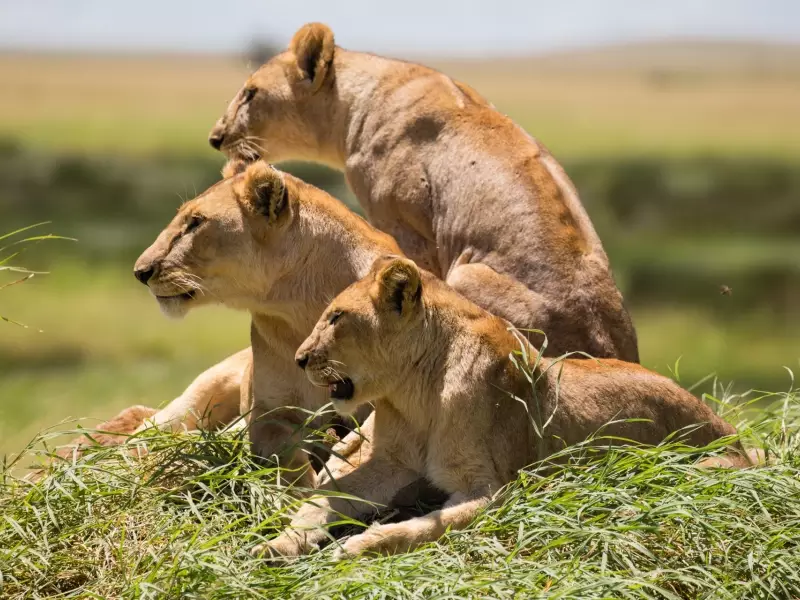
[703,196]
[675,229]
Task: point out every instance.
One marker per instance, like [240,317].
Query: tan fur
[313,48]
[211,401]
[262,241]
[112,432]
[464,190]
[451,405]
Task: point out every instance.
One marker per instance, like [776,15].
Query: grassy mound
[633,523]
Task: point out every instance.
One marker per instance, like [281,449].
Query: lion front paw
[378,539]
[282,547]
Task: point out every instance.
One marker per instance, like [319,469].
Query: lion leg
[280,432]
[500,294]
[736,458]
[210,401]
[357,448]
[459,511]
[112,432]
[569,328]
[353,450]
[372,484]
[109,433]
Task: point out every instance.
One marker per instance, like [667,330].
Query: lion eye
[249,94]
[334,316]
[194,223]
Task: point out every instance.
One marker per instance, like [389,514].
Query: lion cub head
[210,250]
[360,345]
[284,107]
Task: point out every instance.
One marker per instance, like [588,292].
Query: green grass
[95,343]
[639,523]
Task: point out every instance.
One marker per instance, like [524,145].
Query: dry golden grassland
[617,102]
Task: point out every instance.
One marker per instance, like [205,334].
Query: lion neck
[336,117]
[325,260]
[456,349]
[442,357]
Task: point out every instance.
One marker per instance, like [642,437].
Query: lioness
[265,242]
[465,191]
[451,405]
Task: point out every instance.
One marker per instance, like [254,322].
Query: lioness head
[208,252]
[359,344]
[274,113]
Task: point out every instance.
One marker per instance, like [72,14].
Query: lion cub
[451,405]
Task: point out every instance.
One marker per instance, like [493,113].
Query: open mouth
[341,390]
[184,296]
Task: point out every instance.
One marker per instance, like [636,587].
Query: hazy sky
[463,27]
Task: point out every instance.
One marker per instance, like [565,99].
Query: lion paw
[378,539]
[282,547]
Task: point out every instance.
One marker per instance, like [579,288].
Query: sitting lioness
[450,404]
[466,192]
[266,242]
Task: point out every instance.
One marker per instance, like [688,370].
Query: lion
[464,190]
[451,405]
[262,241]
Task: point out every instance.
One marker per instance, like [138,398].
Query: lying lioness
[265,242]
[451,405]
[465,191]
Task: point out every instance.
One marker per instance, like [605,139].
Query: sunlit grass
[637,523]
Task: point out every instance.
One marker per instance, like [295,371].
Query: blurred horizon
[467,28]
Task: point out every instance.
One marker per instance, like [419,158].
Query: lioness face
[360,345]
[206,254]
[277,113]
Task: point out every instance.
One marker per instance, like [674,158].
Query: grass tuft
[639,523]
[10,249]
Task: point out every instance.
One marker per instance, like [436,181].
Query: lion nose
[302,360]
[144,274]
[216,139]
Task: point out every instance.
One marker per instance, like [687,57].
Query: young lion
[265,242]
[451,405]
[465,191]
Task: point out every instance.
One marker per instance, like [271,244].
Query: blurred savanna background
[679,123]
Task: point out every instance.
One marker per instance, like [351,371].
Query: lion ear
[399,285]
[313,48]
[265,190]
[233,167]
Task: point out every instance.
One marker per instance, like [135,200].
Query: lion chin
[174,308]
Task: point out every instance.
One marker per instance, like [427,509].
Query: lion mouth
[341,390]
[242,150]
[184,296]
